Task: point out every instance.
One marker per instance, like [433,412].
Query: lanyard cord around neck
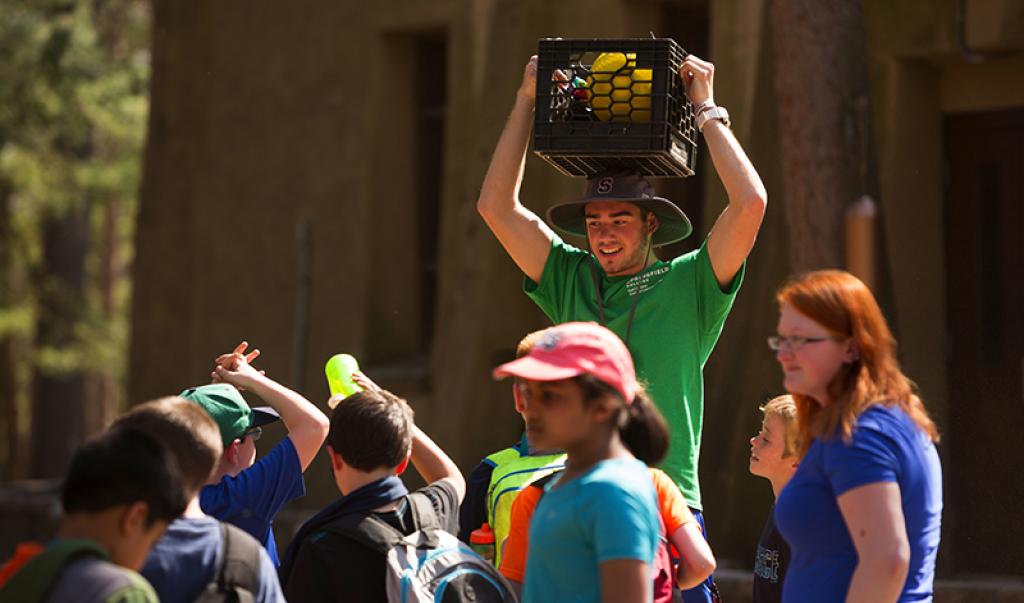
[600,297]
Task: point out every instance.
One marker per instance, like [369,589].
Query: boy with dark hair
[196,551]
[121,491]
[371,439]
[243,491]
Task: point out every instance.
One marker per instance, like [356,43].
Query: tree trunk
[8,374]
[59,391]
[824,123]
[105,387]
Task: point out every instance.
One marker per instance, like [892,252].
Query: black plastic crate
[613,104]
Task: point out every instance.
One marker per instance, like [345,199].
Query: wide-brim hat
[630,187]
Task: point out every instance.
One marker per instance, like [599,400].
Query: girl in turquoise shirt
[594,533]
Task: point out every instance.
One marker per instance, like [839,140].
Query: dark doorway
[431,105]
[408,186]
[985,296]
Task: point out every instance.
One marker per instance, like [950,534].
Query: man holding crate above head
[670,314]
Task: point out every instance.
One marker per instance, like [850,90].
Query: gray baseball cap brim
[673,225]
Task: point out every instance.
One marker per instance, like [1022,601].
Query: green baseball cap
[228,408]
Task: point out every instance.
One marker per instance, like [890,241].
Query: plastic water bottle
[339,371]
[482,541]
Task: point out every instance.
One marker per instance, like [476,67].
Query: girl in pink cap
[594,533]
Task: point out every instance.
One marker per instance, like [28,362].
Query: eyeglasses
[253,433]
[794,343]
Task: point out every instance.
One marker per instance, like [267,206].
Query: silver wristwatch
[716,112]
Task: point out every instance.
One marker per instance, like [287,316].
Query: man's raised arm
[520,231]
[735,231]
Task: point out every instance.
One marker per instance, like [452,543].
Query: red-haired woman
[862,512]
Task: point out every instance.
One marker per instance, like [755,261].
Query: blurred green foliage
[74,83]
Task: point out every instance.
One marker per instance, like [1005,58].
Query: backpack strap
[368,530]
[373,532]
[423,514]
[239,573]
[37,577]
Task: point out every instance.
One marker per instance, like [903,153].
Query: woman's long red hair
[842,304]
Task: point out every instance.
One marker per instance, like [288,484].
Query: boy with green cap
[243,491]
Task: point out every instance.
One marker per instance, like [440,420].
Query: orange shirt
[25,552]
[671,505]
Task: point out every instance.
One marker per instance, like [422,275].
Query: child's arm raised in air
[433,464]
[307,426]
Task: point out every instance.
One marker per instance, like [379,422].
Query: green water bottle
[339,371]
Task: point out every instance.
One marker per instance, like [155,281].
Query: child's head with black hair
[121,490]
[642,428]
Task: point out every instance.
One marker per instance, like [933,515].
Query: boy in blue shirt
[243,491]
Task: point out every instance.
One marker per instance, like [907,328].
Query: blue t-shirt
[183,562]
[887,446]
[608,513]
[251,499]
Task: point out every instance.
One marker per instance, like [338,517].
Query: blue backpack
[429,564]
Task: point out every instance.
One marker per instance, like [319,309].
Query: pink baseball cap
[576,348]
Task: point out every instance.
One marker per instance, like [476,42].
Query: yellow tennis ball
[640,96]
[613,82]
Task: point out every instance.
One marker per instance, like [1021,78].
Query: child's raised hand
[365,382]
[236,367]
[228,360]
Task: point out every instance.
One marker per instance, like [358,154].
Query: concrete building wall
[928,68]
[920,74]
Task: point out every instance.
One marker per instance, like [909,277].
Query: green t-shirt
[677,321]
